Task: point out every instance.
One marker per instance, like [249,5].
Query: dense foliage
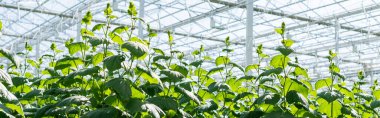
[112,73]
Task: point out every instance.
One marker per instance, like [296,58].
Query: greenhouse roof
[350,27]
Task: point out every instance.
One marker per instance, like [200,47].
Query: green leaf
[112,100]
[5,95]
[279,61]
[196,63]
[137,93]
[360,75]
[264,80]
[215,70]
[375,104]
[332,55]
[179,68]
[113,63]
[268,99]
[287,43]
[251,67]
[84,32]
[151,32]
[270,88]
[278,114]
[5,77]
[365,96]
[295,97]
[271,71]
[108,10]
[7,54]
[77,100]
[195,52]
[242,95]
[132,9]
[137,49]
[94,41]
[87,18]
[121,87]
[329,96]
[16,108]
[120,29]
[158,51]
[165,103]
[88,71]
[98,27]
[227,50]
[33,93]
[96,59]
[222,60]
[188,94]
[279,31]
[159,57]
[173,76]
[339,75]
[285,51]
[233,64]
[17,81]
[41,112]
[376,93]
[150,76]
[248,77]
[218,86]
[170,37]
[153,109]
[109,112]
[1,25]
[152,89]
[75,47]
[325,108]
[68,62]
[295,84]
[208,106]
[259,49]
[334,68]
[32,63]
[323,83]
[301,71]
[227,41]
[116,38]
[134,106]
[344,90]
[4,114]
[349,111]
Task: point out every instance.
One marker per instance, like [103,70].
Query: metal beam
[203,15]
[310,21]
[162,31]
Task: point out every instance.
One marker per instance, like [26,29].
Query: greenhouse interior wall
[189,58]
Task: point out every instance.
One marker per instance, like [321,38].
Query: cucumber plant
[110,72]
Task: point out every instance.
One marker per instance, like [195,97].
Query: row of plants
[113,73]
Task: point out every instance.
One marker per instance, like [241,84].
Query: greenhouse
[189,58]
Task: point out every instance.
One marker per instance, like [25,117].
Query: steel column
[249,33]
[141,15]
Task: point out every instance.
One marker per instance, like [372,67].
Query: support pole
[371,73]
[249,33]
[38,48]
[337,28]
[141,15]
[79,26]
